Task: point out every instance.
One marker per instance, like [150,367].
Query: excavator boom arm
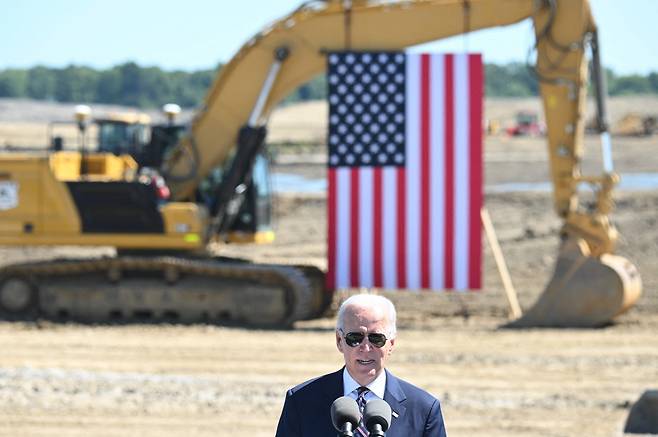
[316,27]
[320,26]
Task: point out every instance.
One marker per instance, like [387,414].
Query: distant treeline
[127,84]
[150,87]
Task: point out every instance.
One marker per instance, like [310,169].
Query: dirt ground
[171,380]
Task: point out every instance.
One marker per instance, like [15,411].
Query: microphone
[377,417]
[345,415]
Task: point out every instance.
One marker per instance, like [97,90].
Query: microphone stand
[346,430]
[377,431]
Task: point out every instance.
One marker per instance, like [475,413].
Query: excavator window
[121,138]
[255,213]
[261,177]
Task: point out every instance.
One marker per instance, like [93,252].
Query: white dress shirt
[376,387]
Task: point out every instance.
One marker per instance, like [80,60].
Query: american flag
[405,170]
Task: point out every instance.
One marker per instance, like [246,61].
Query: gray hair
[369,300]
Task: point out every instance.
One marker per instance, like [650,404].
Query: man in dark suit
[365,334]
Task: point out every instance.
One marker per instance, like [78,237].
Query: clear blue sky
[197,34]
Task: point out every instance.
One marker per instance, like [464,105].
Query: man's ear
[390,349]
[339,342]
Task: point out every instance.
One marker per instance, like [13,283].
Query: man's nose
[365,345]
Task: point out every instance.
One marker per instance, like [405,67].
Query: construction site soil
[69,379]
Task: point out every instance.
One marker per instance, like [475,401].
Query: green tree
[511,80]
[41,82]
[13,83]
[76,84]
[155,87]
[633,84]
[108,88]
[130,84]
[189,89]
[653,81]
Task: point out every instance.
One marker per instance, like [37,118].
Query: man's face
[364,361]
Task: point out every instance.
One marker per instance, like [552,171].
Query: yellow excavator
[216,182]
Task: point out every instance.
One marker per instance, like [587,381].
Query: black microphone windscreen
[377,412]
[344,409]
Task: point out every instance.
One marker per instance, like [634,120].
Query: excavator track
[165,288]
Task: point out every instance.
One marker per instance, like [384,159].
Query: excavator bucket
[585,291]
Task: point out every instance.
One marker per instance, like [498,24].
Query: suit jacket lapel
[333,388]
[395,397]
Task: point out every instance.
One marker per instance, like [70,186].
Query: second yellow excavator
[217,177]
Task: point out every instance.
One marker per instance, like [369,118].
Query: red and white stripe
[418,226]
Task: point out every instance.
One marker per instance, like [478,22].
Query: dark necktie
[361,402]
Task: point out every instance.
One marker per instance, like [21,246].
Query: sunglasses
[353,339]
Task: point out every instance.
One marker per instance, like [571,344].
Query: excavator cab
[253,221]
[249,219]
[163,139]
[129,198]
[123,134]
[117,133]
